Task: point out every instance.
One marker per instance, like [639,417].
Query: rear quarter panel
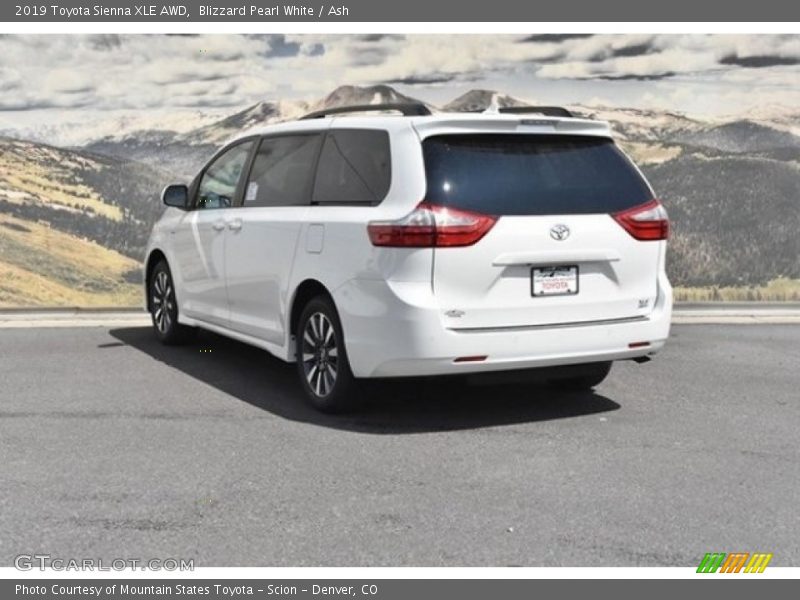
[334,247]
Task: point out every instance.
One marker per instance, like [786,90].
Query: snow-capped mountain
[257,115]
[351,95]
[213,127]
[478,100]
[265,113]
[83,129]
[184,152]
[640,124]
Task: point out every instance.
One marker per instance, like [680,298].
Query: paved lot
[112,446]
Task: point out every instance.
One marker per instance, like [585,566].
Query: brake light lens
[431,226]
[647,222]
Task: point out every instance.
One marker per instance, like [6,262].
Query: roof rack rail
[408,109]
[547,111]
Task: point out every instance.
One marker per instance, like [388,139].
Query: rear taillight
[647,221]
[429,226]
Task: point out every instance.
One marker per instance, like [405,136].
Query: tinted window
[531,174]
[218,185]
[354,167]
[282,171]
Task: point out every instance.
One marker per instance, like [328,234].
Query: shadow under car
[408,405]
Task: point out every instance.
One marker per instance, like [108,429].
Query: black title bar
[732,587]
[400,11]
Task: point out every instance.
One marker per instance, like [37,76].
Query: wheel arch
[308,289]
[156,256]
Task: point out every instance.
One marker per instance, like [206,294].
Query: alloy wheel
[163,302]
[320,354]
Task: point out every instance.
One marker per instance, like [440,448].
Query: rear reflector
[470,359]
[646,222]
[431,226]
[638,344]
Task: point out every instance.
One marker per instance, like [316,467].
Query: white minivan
[368,246]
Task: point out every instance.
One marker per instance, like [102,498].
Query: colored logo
[735,562]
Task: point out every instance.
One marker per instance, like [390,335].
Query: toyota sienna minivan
[365,245]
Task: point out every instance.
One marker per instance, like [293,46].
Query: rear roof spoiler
[485,123]
[547,111]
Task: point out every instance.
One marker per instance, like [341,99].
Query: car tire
[590,375]
[164,308]
[322,363]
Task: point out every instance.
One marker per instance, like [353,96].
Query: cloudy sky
[59,77]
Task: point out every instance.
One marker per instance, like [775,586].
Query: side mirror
[176,195]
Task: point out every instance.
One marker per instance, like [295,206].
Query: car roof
[444,123]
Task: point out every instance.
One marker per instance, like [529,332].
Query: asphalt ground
[113,446]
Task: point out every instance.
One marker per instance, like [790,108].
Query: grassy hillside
[37,174]
[73,226]
[42,266]
[735,218]
[109,200]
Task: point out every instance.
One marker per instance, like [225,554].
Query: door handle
[218,225]
[235,225]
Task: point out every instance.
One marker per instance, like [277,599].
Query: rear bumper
[395,330]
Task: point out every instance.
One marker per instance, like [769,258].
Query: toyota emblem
[559,232]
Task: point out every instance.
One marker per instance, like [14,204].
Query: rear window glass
[531,174]
[354,167]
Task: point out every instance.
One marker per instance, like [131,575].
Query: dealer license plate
[554,281]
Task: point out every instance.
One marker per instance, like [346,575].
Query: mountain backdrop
[74,218]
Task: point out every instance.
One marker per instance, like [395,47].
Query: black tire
[164,308]
[586,377]
[322,364]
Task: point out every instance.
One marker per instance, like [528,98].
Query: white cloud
[107,73]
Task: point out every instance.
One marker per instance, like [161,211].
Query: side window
[354,167]
[282,171]
[218,185]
